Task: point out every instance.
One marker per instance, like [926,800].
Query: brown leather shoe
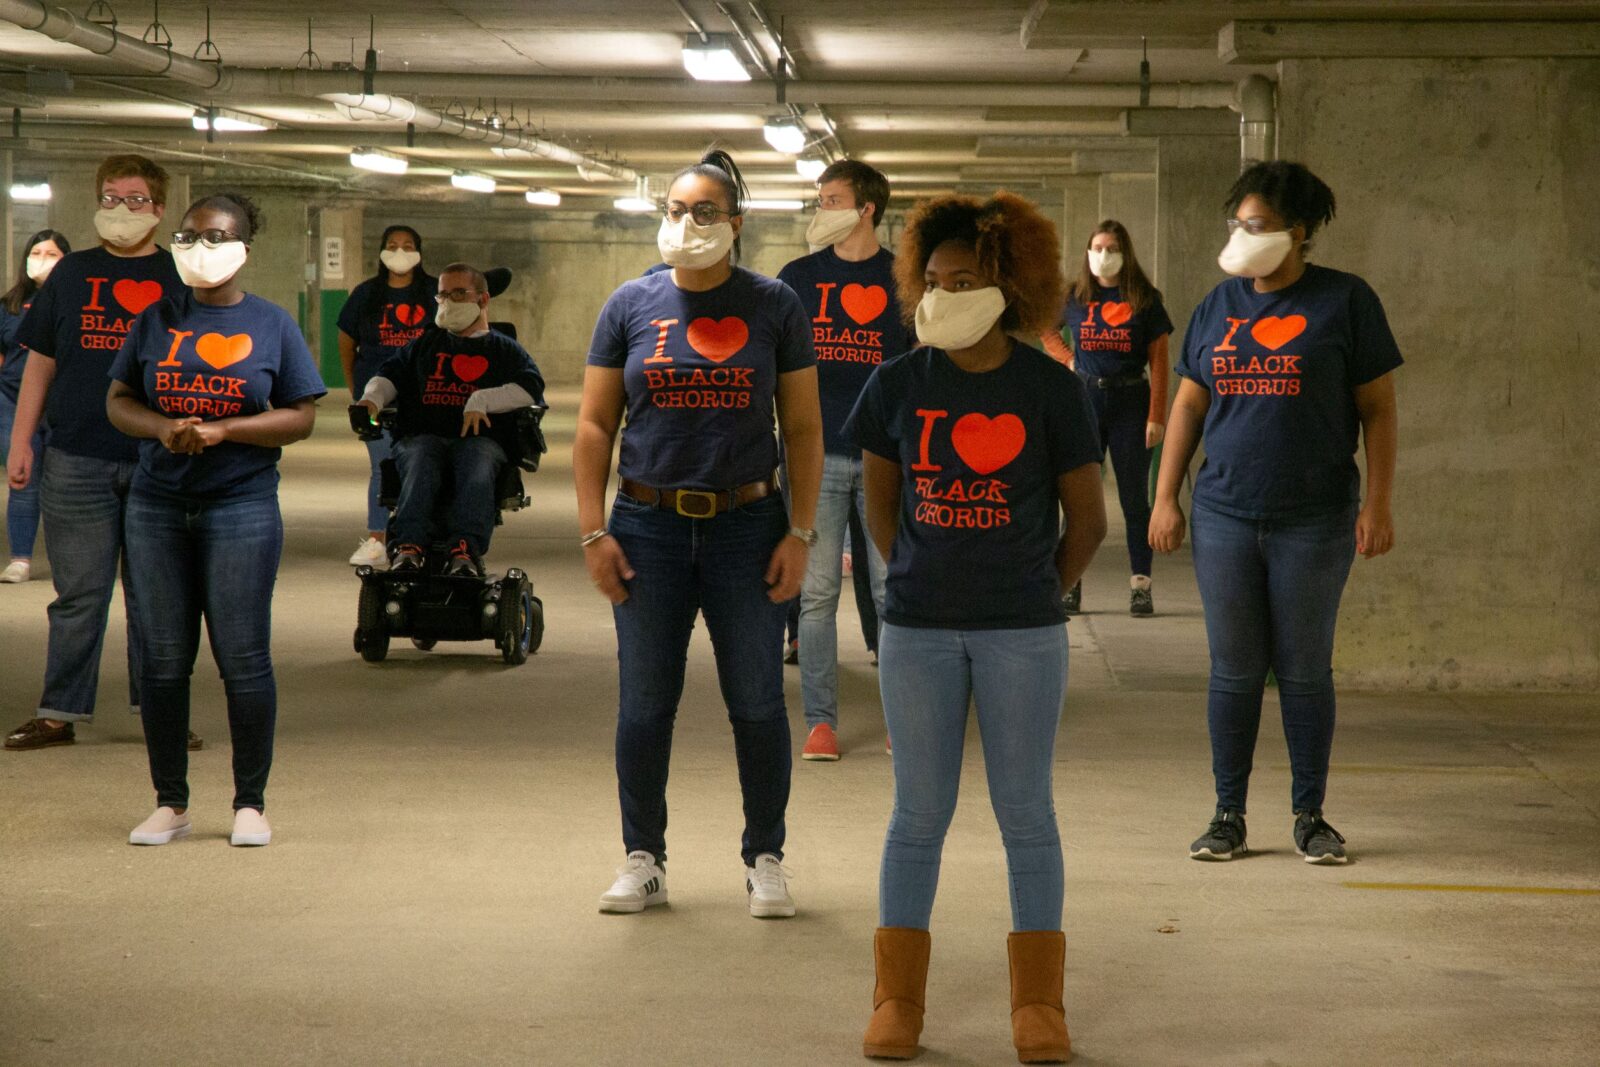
[900,959]
[195,744]
[36,733]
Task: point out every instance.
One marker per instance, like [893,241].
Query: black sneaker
[463,564]
[791,654]
[1073,600]
[408,558]
[1316,840]
[1222,838]
[1141,602]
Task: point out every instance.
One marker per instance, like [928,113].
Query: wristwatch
[807,537]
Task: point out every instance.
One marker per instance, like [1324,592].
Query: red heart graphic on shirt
[986,444]
[718,341]
[863,302]
[136,296]
[1116,314]
[220,351]
[1274,332]
[469,368]
[410,314]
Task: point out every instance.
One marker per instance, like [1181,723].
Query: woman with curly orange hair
[974,444]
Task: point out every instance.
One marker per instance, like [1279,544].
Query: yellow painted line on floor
[1424,887]
[1432,768]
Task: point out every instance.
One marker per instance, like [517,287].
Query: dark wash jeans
[474,465]
[1122,412]
[217,560]
[716,567]
[1271,592]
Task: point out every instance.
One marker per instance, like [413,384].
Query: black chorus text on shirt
[80,318]
[1282,369]
[1109,339]
[185,359]
[700,373]
[980,457]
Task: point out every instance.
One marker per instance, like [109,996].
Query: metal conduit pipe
[1258,120]
[61,25]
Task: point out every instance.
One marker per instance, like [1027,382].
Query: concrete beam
[1191,122]
[991,147]
[1244,41]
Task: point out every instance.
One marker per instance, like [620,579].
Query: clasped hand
[191,436]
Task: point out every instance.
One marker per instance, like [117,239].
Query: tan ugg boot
[900,955]
[1038,1020]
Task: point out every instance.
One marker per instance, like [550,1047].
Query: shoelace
[1320,826]
[639,868]
[770,876]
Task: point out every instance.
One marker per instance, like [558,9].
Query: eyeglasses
[705,212]
[135,202]
[209,238]
[1255,224]
[457,296]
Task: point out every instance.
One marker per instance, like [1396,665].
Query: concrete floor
[444,825]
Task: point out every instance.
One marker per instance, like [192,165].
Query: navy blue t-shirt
[185,359]
[383,329]
[855,325]
[80,318]
[436,374]
[1108,339]
[1282,369]
[980,511]
[14,355]
[700,371]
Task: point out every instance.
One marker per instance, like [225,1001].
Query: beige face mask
[122,227]
[958,320]
[457,317]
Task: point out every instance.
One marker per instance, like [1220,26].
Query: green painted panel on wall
[328,351]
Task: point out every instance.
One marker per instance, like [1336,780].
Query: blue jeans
[1271,592]
[83,500]
[22,505]
[473,466]
[819,596]
[717,567]
[1122,412]
[377,451]
[1017,679]
[218,560]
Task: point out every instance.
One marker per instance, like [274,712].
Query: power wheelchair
[429,605]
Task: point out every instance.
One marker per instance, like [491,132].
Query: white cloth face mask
[686,243]
[123,227]
[206,268]
[39,267]
[400,260]
[456,317]
[829,226]
[1255,255]
[958,320]
[1105,264]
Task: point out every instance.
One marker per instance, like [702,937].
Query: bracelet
[593,536]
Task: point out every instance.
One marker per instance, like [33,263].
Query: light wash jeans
[819,595]
[1017,679]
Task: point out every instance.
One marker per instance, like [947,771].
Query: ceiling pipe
[61,25]
[1258,120]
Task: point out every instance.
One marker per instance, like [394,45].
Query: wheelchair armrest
[366,427]
[530,437]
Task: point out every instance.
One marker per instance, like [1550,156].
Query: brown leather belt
[698,503]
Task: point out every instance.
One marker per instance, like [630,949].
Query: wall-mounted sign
[333,259]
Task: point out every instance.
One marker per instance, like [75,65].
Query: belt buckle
[710,500]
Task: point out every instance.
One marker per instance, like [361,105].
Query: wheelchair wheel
[424,644]
[372,636]
[536,637]
[516,620]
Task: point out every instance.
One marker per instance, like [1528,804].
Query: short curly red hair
[1018,249]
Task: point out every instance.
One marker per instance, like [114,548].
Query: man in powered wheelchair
[462,404]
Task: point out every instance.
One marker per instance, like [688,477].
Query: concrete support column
[1441,167]
[1080,212]
[73,202]
[341,263]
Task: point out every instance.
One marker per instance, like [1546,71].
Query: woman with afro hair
[974,445]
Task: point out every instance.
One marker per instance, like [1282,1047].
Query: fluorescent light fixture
[810,169]
[376,159]
[229,121]
[542,197]
[633,203]
[472,182]
[713,60]
[36,192]
[773,205]
[786,136]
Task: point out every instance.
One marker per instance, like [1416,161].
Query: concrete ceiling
[930,90]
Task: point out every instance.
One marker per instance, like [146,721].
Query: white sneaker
[20,570]
[250,828]
[641,882]
[163,825]
[768,885]
[372,552]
